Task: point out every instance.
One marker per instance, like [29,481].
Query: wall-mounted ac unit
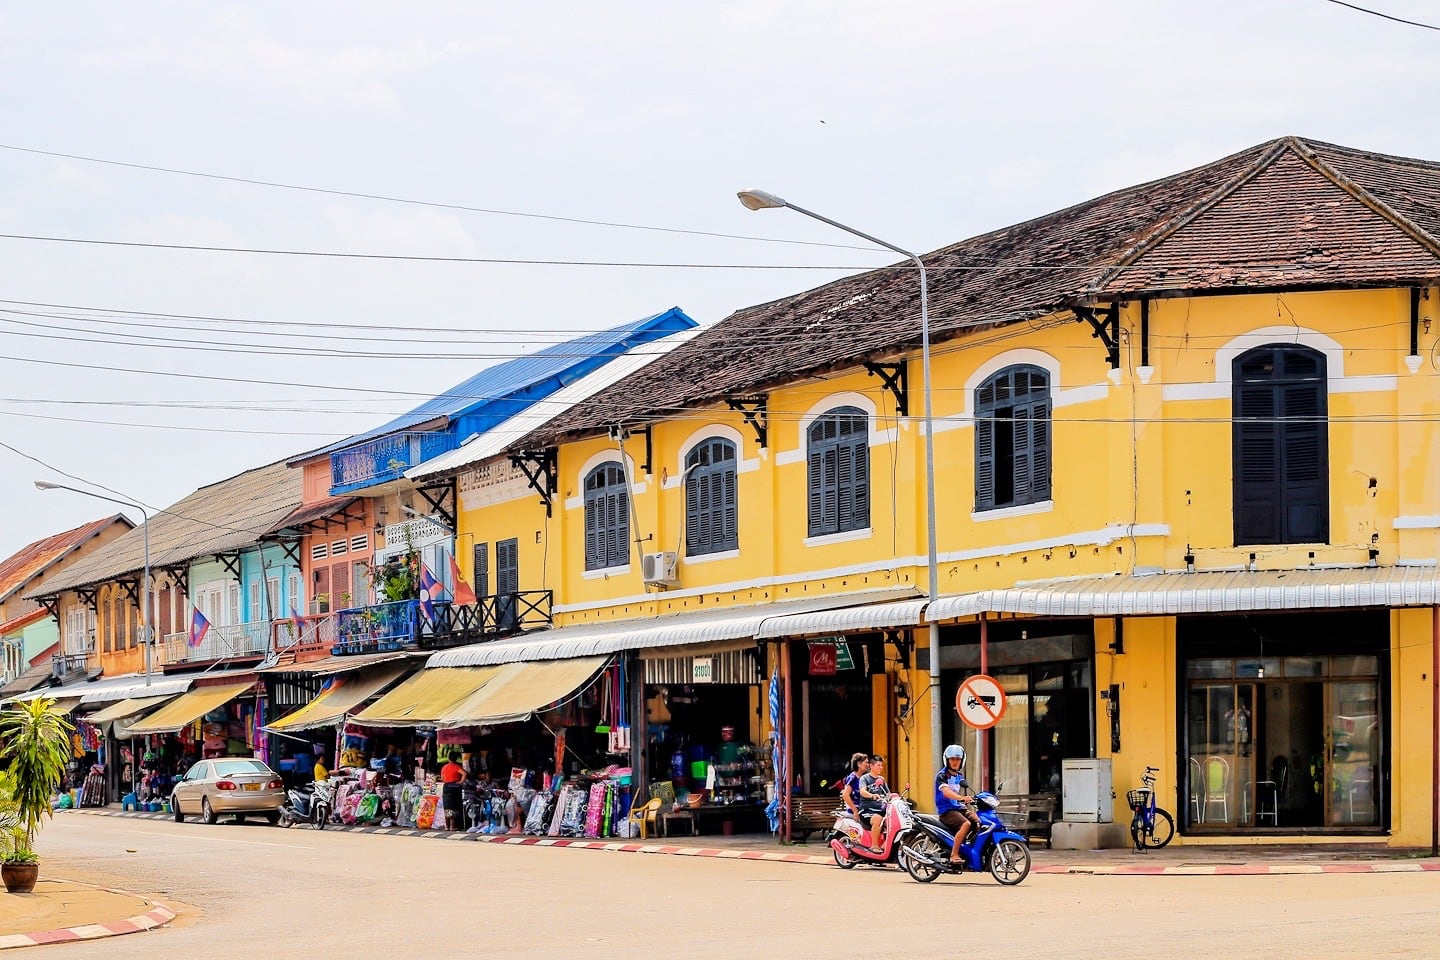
[658,569]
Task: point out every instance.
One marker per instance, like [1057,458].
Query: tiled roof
[224,516]
[1290,213]
[31,560]
[525,379]
[22,621]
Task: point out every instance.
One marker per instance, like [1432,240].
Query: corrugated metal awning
[341,695]
[157,687]
[519,689]
[878,616]
[593,639]
[187,708]
[1165,594]
[326,666]
[425,697]
[125,708]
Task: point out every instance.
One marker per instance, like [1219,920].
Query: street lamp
[760,200]
[145,531]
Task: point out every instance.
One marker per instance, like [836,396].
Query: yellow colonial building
[1186,508]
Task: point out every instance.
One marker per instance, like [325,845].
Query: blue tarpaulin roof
[499,392]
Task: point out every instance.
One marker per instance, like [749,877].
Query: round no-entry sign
[980,702]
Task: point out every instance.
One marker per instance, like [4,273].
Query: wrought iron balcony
[219,643]
[385,458]
[394,626]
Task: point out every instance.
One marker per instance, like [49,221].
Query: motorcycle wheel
[287,822]
[843,860]
[319,817]
[1010,862]
[912,856]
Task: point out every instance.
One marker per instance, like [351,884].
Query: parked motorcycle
[310,804]
[992,847]
[850,839]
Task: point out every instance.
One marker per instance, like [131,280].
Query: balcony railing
[385,458]
[235,640]
[63,664]
[393,626]
[303,635]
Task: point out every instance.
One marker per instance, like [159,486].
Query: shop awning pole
[1435,731]
[983,736]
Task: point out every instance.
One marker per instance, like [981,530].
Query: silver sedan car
[229,785]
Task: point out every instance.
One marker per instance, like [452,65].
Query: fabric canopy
[188,708]
[425,697]
[125,708]
[341,695]
[519,689]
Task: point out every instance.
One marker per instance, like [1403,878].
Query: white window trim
[709,432]
[847,536]
[604,456]
[1337,382]
[709,557]
[848,398]
[1007,513]
[600,573]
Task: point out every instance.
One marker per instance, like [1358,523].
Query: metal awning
[877,616]
[328,666]
[1233,591]
[594,639]
[125,708]
[425,697]
[188,708]
[28,680]
[519,689]
[132,688]
[342,695]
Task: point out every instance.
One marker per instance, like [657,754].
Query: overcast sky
[923,123]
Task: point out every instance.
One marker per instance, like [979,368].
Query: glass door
[1353,738]
[1221,763]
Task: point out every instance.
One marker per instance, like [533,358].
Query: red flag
[463,591]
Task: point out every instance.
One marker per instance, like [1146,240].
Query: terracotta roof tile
[32,559]
[1287,213]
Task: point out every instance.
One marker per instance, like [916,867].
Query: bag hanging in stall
[425,819]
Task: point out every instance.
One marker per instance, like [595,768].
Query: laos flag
[199,626]
[430,591]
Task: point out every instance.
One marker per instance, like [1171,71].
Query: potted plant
[36,740]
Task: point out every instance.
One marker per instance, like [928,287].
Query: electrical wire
[1385,16]
[359,195]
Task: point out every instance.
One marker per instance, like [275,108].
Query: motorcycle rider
[850,794]
[952,799]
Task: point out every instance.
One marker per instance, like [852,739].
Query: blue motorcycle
[925,854]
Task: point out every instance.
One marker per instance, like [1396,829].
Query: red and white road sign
[980,702]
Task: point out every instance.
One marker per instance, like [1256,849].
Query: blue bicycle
[1151,827]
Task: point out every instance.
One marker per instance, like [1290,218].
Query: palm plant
[36,744]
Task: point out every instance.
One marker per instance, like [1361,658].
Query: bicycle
[1152,827]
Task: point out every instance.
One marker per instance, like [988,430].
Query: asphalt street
[255,890]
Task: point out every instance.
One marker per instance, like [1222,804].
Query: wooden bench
[808,814]
[1029,814]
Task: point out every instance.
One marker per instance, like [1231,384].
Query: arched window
[1012,438]
[839,457]
[710,516]
[1281,446]
[607,517]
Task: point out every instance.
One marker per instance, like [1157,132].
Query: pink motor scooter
[850,838]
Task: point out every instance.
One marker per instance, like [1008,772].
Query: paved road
[263,891]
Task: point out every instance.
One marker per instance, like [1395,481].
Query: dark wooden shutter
[729,511]
[1304,464]
[1040,450]
[816,480]
[1280,446]
[860,488]
[481,565]
[984,458]
[1024,447]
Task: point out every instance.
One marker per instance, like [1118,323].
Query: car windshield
[229,768]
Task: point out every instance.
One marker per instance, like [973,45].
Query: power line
[355,194]
[173,426]
[1385,16]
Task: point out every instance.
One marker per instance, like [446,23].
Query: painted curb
[1249,869]
[156,917]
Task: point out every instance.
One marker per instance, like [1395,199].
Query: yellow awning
[125,708]
[344,693]
[520,689]
[187,708]
[423,698]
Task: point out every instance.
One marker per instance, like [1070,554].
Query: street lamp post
[760,200]
[145,585]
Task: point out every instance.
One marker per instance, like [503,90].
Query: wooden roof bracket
[755,412]
[131,588]
[903,643]
[441,497]
[896,378]
[1105,327]
[540,468]
[180,576]
[231,562]
[51,605]
[87,595]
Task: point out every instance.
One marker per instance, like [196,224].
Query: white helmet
[955,751]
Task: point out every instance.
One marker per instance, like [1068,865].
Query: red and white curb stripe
[1252,869]
[157,917]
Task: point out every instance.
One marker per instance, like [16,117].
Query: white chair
[1197,791]
[1216,772]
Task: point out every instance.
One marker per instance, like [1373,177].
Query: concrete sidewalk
[1174,860]
[63,911]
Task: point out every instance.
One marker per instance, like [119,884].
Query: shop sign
[702,670]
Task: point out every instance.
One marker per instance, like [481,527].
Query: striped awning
[187,708]
[342,694]
[1231,591]
[125,708]
[517,690]
[425,697]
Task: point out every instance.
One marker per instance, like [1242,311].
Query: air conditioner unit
[658,569]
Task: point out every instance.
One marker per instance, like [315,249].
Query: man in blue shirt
[952,796]
[850,794]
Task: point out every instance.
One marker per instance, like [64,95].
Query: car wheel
[273,818]
[239,818]
[207,812]
[175,807]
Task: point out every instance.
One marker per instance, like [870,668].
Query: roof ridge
[1366,196]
